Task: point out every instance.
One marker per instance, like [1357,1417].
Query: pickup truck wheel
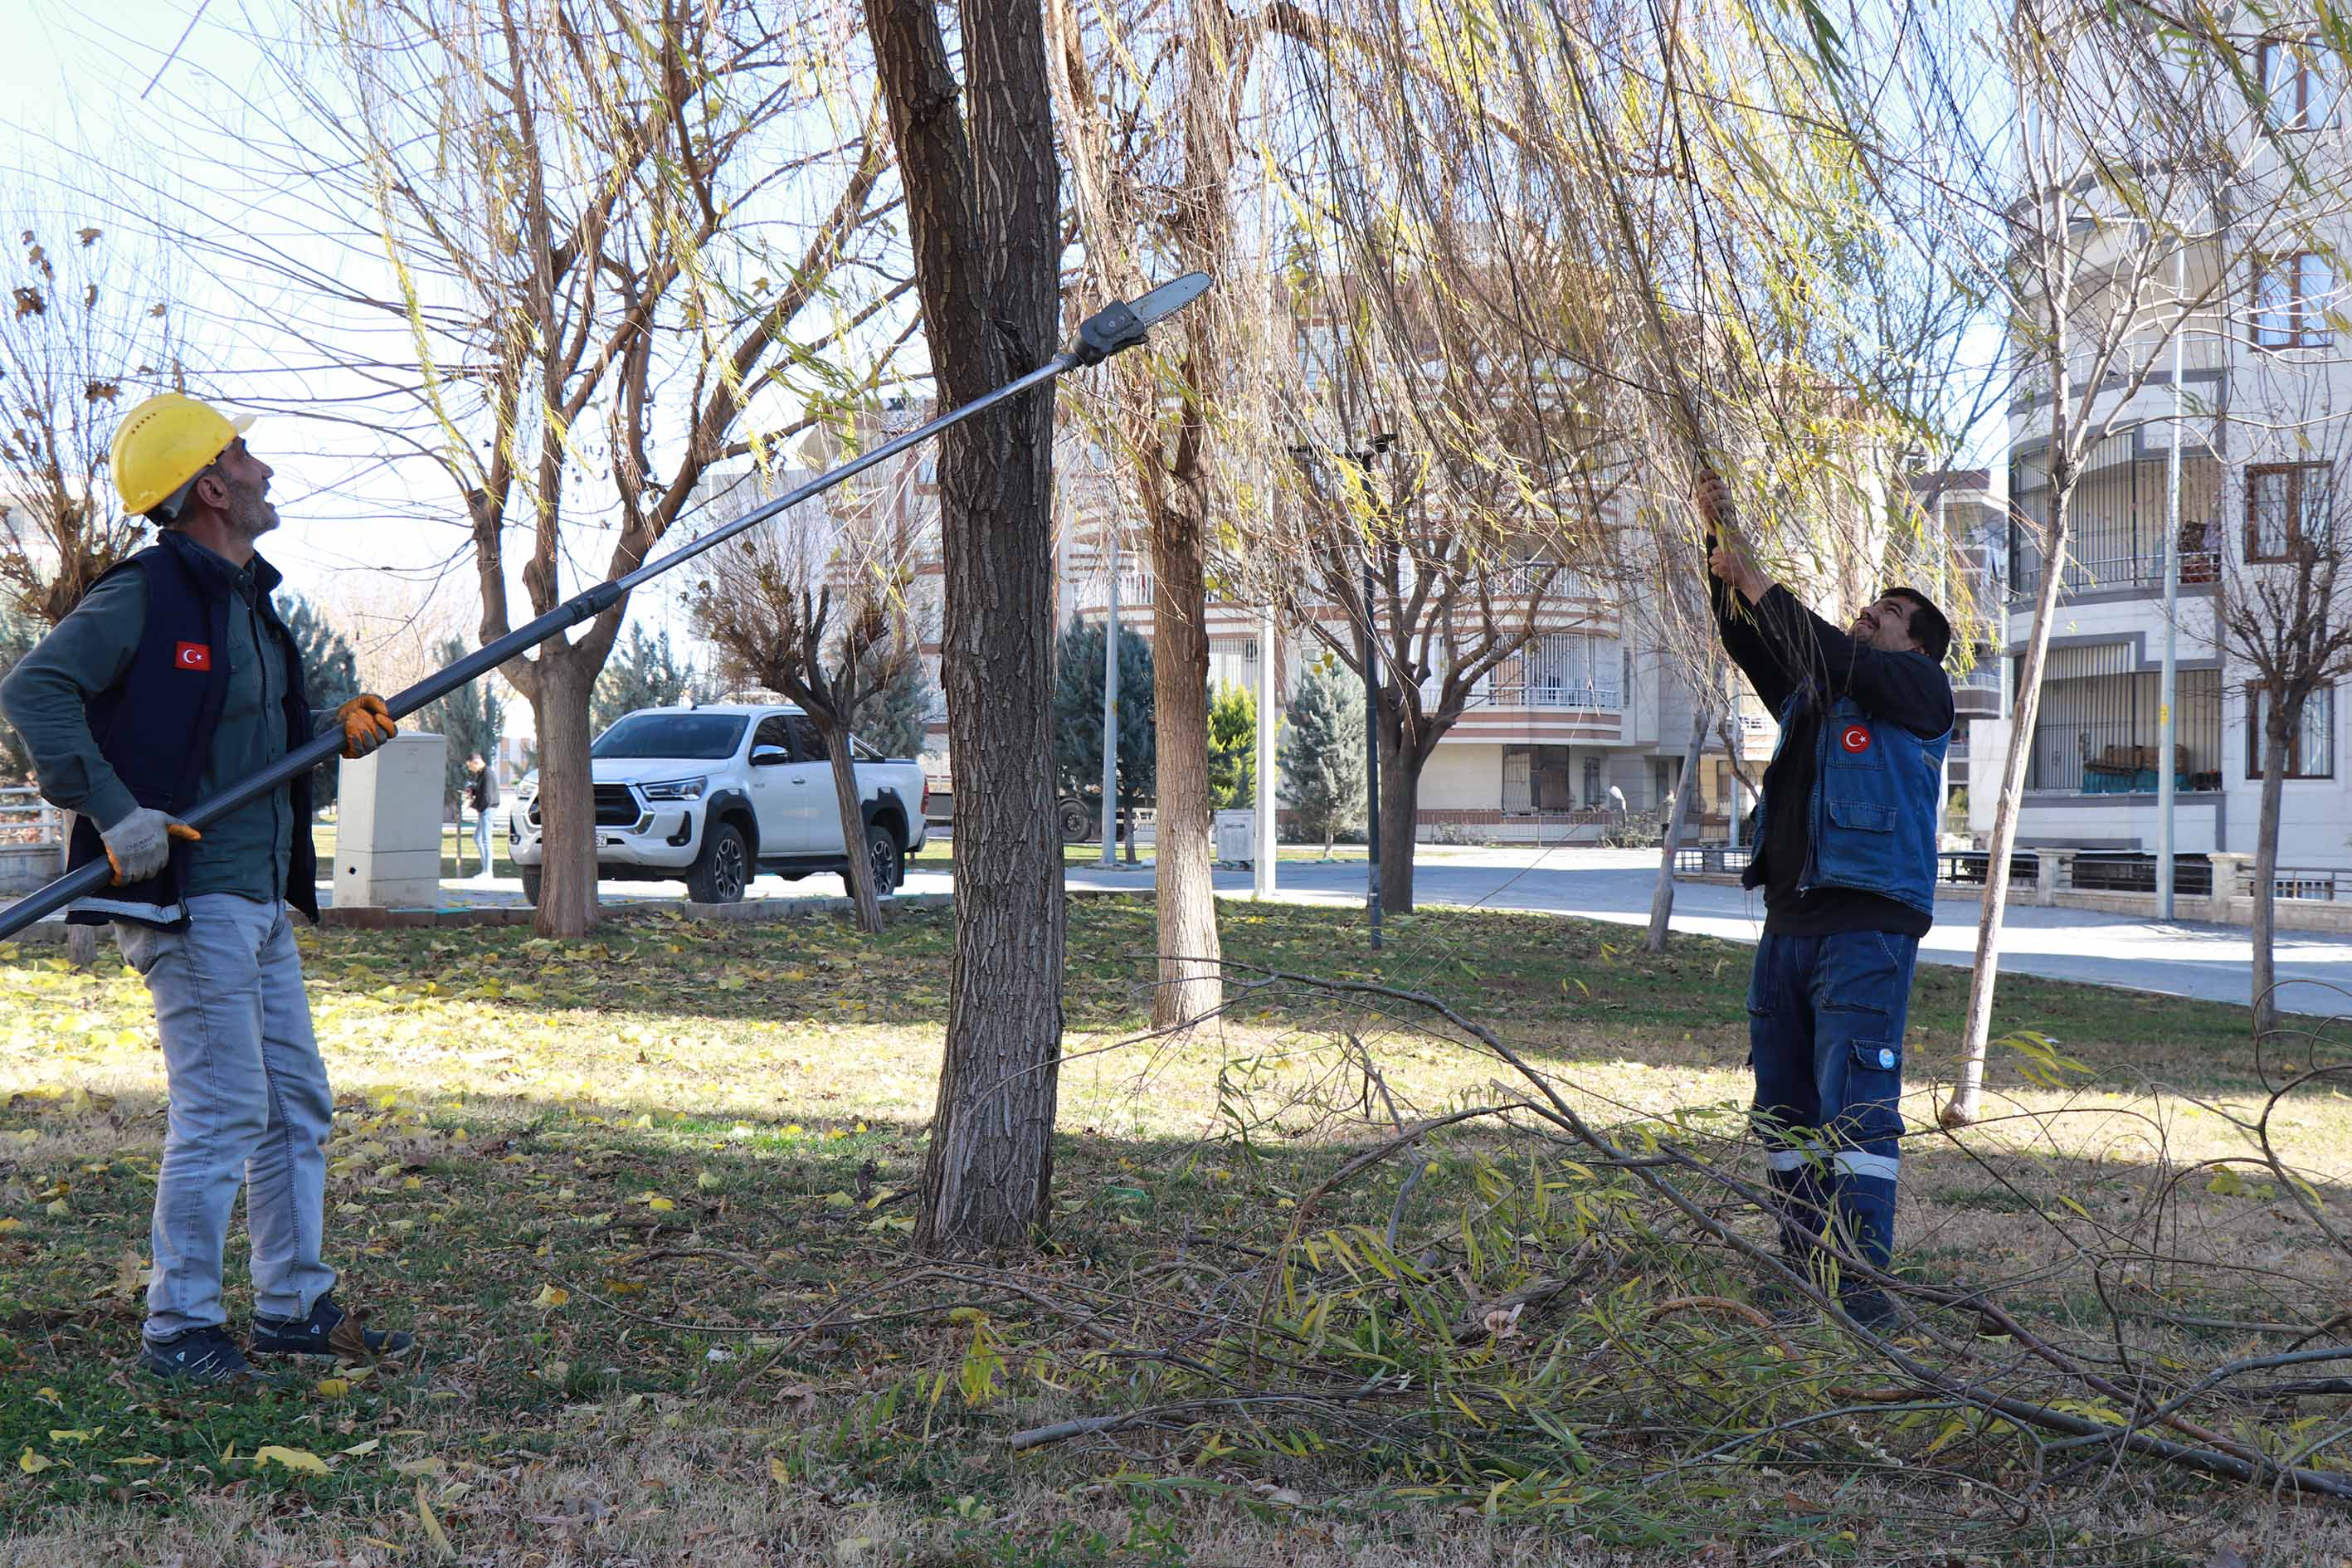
[530,875]
[888,860]
[1076,823]
[719,873]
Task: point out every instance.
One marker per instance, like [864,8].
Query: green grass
[589,1173]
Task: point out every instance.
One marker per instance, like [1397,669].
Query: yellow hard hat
[163,443]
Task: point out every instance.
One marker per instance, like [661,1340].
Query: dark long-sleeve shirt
[44,696]
[1780,645]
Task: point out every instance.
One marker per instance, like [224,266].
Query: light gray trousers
[249,1106]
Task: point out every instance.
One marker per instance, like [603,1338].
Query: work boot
[200,1357]
[1871,1309]
[327,1331]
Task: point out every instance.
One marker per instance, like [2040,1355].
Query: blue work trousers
[1825,1022]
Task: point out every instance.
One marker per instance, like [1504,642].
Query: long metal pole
[1110,702]
[1111,331]
[1261,870]
[2170,679]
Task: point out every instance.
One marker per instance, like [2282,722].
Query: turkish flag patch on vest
[193,656]
[1856,738]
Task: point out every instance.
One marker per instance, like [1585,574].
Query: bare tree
[1124,78]
[823,622]
[618,242]
[2283,620]
[83,337]
[976,158]
[2146,187]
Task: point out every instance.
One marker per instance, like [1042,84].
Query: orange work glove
[367,724]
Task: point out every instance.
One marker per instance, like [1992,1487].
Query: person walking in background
[481,794]
[169,682]
[1845,852]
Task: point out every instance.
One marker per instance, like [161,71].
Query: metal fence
[26,819]
[2330,884]
[2127,871]
[1969,868]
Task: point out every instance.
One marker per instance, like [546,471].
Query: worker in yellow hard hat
[172,680]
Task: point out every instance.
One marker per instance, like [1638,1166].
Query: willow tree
[1589,266]
[619,244]
[1156,103]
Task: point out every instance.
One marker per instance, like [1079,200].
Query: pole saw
[1112,330]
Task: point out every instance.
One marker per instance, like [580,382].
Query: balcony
[2199,568]
[1589,697]
[1977,694]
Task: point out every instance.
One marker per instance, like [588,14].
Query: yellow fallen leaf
[32,1464]
[625,1287]
[433,1526]
[708,1182]
[61,1208]
[428,1465]
[660,1205]
[9,1224]
[358,1449]
[140,1459]
[302,1459]
[551,1296]
[349,1209]
[72,1434]
[777,1471]
[334,1387]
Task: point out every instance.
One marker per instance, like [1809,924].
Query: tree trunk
[860,875]
[1192,980]
[982,224]
[1662,898]
[1965,1097]
[1400,817]
[567,796]
[2277,725]
[1127,832]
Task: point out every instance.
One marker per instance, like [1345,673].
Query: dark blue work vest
[1872,811]
[154,727]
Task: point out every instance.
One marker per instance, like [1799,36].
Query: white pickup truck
[714,795]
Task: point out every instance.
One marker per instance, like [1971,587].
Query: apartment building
[2263,389]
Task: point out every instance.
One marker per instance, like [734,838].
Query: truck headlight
[676,789]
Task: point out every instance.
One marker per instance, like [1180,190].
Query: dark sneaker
[1871,1309]
[200,1356]
[327,1331]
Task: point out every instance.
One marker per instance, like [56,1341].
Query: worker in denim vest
[172,680]
[1846,858]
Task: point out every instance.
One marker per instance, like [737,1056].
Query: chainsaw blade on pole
[1171,296]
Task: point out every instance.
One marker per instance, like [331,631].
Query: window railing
[1589,697]
[2138,571]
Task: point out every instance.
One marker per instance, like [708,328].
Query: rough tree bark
[981,216]
[1400,768]
[863,891]
[1192,983]
[557,683]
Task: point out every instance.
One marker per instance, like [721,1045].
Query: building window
[2310,749]
[2097,731]
[2286,504]
[2302,97]
[2291,296]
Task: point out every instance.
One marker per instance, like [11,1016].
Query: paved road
[2211,962]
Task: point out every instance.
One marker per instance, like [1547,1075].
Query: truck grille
[615,806]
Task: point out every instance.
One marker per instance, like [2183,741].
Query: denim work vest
[1873,813]
[154,727]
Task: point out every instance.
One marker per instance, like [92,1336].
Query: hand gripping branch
[1114,329]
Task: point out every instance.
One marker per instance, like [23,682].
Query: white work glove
[140,844]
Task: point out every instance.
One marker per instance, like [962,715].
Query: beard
[249,511]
